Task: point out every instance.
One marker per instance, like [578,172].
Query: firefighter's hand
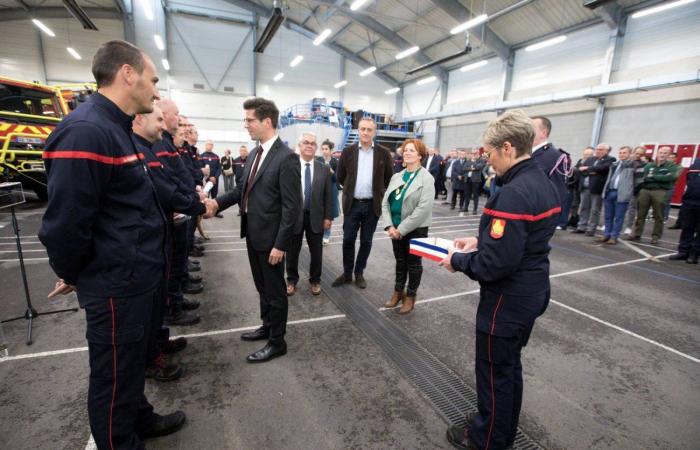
[447,262]
[466,244]
[213,180]
[202,195]
[212,208]
[61,288]
[276,257]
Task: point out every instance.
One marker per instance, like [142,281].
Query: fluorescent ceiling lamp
[473,66]
[323,36]
[659,8]
[357,4]
[43,27]
[73,53]
[408,52]
[367,71]
[547,43]
[295,62]
[426,80]
[279,76]
[166,64]
[159,41]
[340,84]
[147,11]
[478,20]
[392,91]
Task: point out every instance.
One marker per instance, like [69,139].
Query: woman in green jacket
[407,211]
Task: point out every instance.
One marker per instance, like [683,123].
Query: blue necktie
[307,187]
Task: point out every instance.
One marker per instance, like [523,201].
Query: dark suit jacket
[597,173]
[347,175]
[458,171]
[321,199]
[434,168]
[475,167]
[274,200]
[548,158]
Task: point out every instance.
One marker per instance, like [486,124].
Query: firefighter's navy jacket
[173,195]
[554,161]
[212,159]
[512,259]
[167,153]
[191,163]
[103,229]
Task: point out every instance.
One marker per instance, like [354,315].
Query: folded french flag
[435,249]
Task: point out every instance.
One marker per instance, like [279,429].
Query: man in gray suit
[270,200]
[315,217]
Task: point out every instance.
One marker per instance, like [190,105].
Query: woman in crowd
[407,210]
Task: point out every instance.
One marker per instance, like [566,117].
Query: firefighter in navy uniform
[510,261]
[105,233]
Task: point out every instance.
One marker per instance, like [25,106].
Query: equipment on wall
[79,14]
[270,30]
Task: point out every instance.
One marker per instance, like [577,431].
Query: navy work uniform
[212,160]
[689,215]
[511,265]
[105,232]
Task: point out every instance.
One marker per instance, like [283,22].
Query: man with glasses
[315,217]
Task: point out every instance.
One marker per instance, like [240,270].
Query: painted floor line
[626,331]
[191,335]
[635,248]
[25,259]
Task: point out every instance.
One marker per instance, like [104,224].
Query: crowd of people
[128,188]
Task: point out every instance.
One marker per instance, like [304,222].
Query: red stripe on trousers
[114,370]
[493,394]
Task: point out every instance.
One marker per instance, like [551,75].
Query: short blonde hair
[514,127]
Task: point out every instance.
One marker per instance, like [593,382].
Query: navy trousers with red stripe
[119,335]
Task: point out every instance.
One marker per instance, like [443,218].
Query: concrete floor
[613,363]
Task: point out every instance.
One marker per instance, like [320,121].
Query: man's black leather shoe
[360,281]
[193,268]
[191,288]
[457,436]
[162,371]
[342,279]
[174,346]
[188,304]
[256,335]
[267,353]
[692,259]
[195,279]
[196,252]
[182,318]
[165,425]
[194,262]
[678,256]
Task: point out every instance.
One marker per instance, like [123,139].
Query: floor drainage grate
[450,397]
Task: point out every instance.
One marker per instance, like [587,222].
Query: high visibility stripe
[493,391]
[526,217]
[34,130]
[166,154]
[155,164]
[73,154]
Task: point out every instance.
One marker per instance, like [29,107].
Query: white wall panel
[576,62]
[460,136]
[19,52]
[663,43]
[475,87]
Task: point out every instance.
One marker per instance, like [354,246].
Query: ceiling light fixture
[473,66]
[73,53]
[407,52]
[159,41]
[547,43]
[166,64]
[357,4]
[147,11]
[392,91]
[659,8]
[340,84]
[367,71]
[295,62]
[279,76]
[478,20]
[426,80]
[43,27]
[323,36]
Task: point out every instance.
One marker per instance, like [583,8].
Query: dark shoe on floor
[654,241]
[256,335]
[577,231]
[452,207]
[462,210]
[343,279]
[457,436]
[174,346]
[193,268]
[692,260]
[611,241]
[165,425]
[188,304]
[590,233]
[183,318]
[675,226]
[602,239]
[632,238]
[219,215]
[315,288]
[270,351]
[360,281]
[196,253]
[678,257]
[194,262]
[199,240]
[195,279]
[160,370]
[191,288]
[291,289]
[474,213]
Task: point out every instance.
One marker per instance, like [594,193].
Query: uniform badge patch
[498,227]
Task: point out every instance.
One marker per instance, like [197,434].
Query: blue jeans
[614,214]
[362,219]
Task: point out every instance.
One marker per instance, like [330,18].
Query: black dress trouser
[270,284]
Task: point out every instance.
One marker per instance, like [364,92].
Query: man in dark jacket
[434,165]
[457,175]
[473,178]
[104,232]
[689,243]
[594,173]
[211,159]
[239,164]
[364,171]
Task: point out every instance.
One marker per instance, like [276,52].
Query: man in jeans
[364,171]
[594,172]
[659,176]
[618,192]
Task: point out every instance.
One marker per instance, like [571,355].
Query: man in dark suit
[458,180]
[473,179]
[270,200]
[594,172]
[434,164]
[315,217]
[364,171]
[555,162]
